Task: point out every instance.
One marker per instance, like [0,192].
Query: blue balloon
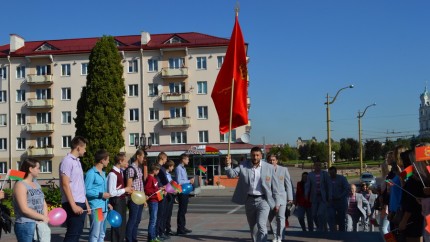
[187,188]
[114,218]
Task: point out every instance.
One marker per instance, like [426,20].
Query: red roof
[130,42]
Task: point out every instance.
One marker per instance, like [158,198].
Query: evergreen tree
[100,109]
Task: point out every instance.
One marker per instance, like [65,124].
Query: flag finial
[236,9]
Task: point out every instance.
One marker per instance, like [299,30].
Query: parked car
[368,178]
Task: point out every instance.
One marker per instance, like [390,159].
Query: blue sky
[300,50]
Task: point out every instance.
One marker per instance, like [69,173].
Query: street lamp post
[141,142]
[360,115]
[328,102]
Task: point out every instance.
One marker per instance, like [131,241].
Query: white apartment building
[168,78]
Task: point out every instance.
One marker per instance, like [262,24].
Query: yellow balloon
[138,197]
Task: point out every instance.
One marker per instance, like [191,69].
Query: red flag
[422,153]
[428,223]
[233,70]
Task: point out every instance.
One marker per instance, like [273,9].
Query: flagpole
[413,163]
[231,100]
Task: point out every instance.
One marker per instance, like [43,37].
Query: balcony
[46,127]
[40,152]
[40,103]
[176,122]
[175,97]
[174,73]
[34,79]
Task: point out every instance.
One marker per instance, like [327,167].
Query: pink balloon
[169,188]
[57,216]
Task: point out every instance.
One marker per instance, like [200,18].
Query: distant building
[425,114]
[168,78]
[301,142]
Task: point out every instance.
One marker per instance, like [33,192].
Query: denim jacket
[95,186]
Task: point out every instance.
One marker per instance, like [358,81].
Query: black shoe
[188,231]
[180,233]
[170,233]
[165,237]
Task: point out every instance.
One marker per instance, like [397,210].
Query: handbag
[42,233]
[5,220]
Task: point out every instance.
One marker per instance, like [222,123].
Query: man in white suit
[286,194]
[257,189]
[318,188]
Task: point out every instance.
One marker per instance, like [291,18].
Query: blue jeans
[74,222]
[98,228]
[25,231]
[153,209]
[135,215]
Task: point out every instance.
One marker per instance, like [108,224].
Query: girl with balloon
[29,204]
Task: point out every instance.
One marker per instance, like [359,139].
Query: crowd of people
[324,200]
[98,192]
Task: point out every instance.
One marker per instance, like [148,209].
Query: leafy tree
[285,152]
[373,150]
[388,146]
[100,109]
[348,149]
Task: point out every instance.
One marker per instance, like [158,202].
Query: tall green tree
[100,109]
[372,150]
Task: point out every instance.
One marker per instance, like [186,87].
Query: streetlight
[360,115]
[141,143]
[328,102]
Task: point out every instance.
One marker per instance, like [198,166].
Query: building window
[20,72]
[224,137]
[20,118]
[66,93]
[20,95]
[177,87]
[178,112]
[202,87]
[155,137]
[43,118]
[84,69]
[3,96]
[220,61]
[178,137]
[20,144]
[3,119]
[3,144]
[203,136]
[66,117]
[132,137]
[45,166]
[153,114]
[202,112]
[132,66]
[152,89]
[43,70]
[43,142]
[133,90]
[201,63]
[3,167]
[134,114]
[43,94]
[3,73]
[65,69]
[176,63]
[152,65]
[67,140]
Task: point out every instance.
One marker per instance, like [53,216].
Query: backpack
[125,173]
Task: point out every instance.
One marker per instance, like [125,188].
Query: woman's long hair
[26,164]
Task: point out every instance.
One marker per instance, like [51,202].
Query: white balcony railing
[40,103]
[41,152]
[171,73]
[176,122]
[175,97]
[42,79]
[46,127]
